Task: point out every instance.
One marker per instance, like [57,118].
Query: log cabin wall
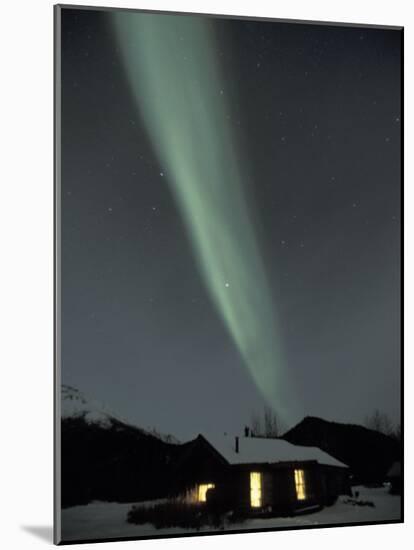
[336,482]
[203,464]
[284,496]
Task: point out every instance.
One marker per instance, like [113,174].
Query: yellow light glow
[202,491]
[255,489]
[300,484]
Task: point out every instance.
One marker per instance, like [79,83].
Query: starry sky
[314,113]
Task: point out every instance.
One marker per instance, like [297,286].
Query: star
[227,285]
[161,174]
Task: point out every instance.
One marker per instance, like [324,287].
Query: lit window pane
[300,484]
[255,489]
[202,491]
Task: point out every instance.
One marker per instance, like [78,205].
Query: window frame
[300,484]
[256,491]
[202,489]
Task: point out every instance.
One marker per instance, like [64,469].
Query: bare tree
[256,425]
[380,422]
[265,425]
[271,423]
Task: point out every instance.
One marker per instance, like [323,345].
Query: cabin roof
[256,450]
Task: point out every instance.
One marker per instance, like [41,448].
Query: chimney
[237,444]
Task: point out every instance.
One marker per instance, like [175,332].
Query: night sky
[315,118]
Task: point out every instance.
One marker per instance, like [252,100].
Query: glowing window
[255,489]
[300,484]
[202,491]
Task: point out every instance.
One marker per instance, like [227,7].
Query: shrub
[182,514]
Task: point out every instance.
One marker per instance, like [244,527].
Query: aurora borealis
[179,92]
[231,218]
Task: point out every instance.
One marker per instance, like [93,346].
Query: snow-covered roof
[256,450]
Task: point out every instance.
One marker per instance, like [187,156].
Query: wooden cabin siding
[335,482]
[203,464]
[278,487]
[284,492]
[313,487]
[279,496]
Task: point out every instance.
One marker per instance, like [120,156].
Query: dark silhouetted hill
[104,458]
[368,453]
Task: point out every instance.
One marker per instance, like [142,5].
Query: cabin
[259,476]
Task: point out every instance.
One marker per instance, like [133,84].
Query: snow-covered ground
[108,520]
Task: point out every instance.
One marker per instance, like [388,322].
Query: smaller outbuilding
[395,478]
[260,476]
